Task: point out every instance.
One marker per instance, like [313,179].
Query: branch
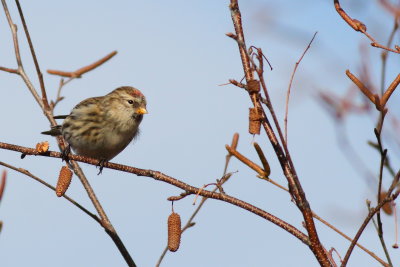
[3,183]
[389,197]
[286,164]
[248,162]
[237,23]
[373,98]
[170,180]
[384,54]
[383,153]
[75,74]
[360,27]
[39,73]
[389,91]
[20,69]
[79,72]
[14,71]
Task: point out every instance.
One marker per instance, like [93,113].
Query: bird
[102,127]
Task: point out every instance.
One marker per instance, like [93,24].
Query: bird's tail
[56,130]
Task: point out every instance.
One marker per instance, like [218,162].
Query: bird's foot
[101,165]
[65,153]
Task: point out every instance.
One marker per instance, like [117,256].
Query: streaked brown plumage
[101,127]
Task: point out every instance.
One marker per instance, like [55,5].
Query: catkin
[42,147]
[174,231]
[387,208]
[255,120]
[64,180]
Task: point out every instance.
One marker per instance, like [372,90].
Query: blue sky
[177,53]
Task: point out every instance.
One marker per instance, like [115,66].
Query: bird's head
[130,100]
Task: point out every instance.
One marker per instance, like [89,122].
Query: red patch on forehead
[136,93]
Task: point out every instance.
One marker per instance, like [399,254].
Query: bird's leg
[101,165]
[65,153]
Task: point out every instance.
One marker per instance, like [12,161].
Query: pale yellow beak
[141,111]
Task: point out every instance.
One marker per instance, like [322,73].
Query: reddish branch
[3,183]
[251,164]
[288,169]
[170,180]
[380,103]
[360,27]
[15,71]
[79,72]
[371,214]
[246,161]
[390,91]
[363,89]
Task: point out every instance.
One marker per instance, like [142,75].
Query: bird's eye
[130,101]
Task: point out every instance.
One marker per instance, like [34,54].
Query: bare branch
[364,89]
[389,197]
[390,91]
[14,71]
[170,180]
[39,73]
[287,165]
[360,27]
[79,72]
[3,183]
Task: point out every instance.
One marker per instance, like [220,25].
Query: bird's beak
[141,111]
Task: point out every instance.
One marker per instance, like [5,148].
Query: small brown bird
[101,127]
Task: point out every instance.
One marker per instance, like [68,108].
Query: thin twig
[349,239]
[384,54]
[383,153]
[389,91]
[75,74]
[389,197]
[396,227]
[190,222]
[39,73]
[14,71]
[373,98]
[290,85]
[360,27]
[237,23]
[3,183]
[20,69]
[246,161]
[79,72]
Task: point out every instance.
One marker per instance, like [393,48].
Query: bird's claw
[101,165]
[65,153]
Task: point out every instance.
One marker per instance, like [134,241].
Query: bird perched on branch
[101,127]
